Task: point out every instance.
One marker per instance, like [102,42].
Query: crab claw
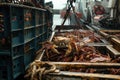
[54,49]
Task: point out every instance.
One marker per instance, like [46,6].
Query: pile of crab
[72,47]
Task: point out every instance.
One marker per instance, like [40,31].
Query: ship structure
[33,46]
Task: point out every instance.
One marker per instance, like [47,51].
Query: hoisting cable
[70,5]
[76,18]
[65,17]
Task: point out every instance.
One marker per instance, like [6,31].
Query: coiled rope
[37,69]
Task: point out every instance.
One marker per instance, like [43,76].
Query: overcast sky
[58,4]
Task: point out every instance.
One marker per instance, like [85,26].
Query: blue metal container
[23,31]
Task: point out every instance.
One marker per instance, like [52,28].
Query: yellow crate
[116,43]
[110,36]
[108,33]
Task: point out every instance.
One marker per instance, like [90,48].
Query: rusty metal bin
[67,75]
[63,72]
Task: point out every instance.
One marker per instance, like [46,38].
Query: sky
[58,4]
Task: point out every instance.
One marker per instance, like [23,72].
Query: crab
[65,42]
[49,46]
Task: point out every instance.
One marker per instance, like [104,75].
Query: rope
[38,69]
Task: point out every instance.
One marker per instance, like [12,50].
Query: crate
[116,44]
[45,28]
[76,75]
[16,18]
[64,63]
[64,75]
[17,51]
[10,69]
[45,36]
[39,40]
[23,28]
[29,34]
[17,38]
[64,66]
[38,43]
[38,17]
[39,31]
[42,2]
[43,20]
[109,33]
[49,32]
[29,52]
[29,46]
[49,14]
[5,34]
[5,52]
[5,68]
[111,36]
[41,17]
[14,24]
[29,18]
[28,57]
[18,67]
